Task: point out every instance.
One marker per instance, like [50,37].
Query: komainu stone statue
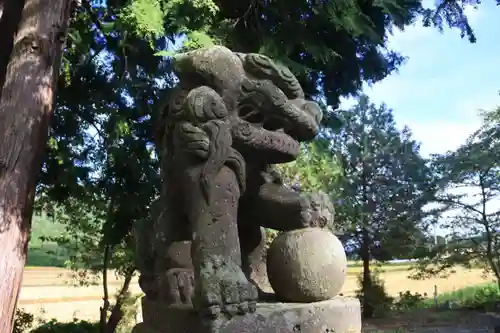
[201,261]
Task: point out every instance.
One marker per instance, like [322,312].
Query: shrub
[478,297]
[129,308]
[376,295]
[23,321]
[76,326]
[408,301]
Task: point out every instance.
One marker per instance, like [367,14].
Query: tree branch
[104,309]
[95,19]
[460,204]
[117,312]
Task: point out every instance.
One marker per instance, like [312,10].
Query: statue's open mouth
[268,122]
[273,134]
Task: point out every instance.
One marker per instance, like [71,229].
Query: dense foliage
[116,71]
[100,173]
[386,184]
[469,179]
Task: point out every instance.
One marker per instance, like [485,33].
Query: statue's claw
[226,290]
[239,297]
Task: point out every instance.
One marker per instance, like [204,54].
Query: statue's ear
[216,66]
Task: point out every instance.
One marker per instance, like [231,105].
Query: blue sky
[445,80]
[444,83]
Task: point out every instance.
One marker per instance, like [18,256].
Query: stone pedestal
[338,315]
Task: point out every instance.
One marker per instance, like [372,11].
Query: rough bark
[105,306]
[368,309]
[10,15]
[25,108]
[367,276]
[117,311]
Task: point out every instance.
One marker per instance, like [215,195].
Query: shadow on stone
[336,315]
[202,257]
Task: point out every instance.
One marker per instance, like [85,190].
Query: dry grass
[397,281]
[45,288]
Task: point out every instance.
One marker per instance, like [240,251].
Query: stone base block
[338,315]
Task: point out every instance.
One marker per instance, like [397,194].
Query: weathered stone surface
[143,328]
[494,319]
[160,317]
[306,265]
[338,315]
[231,118]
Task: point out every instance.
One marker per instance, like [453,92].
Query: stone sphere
[306,265]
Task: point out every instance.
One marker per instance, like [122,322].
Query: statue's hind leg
[174,265]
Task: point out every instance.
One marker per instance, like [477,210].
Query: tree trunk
[117,311]
[367,275]
[10,15]
[25,108]
[368,309]
[105,306]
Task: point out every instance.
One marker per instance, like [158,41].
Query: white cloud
[435,136]
[474,14]
[439,137]
[446,80]
[470,106]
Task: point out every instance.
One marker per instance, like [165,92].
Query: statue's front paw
[224,289]
[178,286]
[318,210]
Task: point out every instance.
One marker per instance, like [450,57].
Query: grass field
[45,254]
[49,254]
[46,292]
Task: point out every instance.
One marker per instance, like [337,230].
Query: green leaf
[196,40]
[145,16]
[107,27]
[75,36]
[52,143]
[165,53]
